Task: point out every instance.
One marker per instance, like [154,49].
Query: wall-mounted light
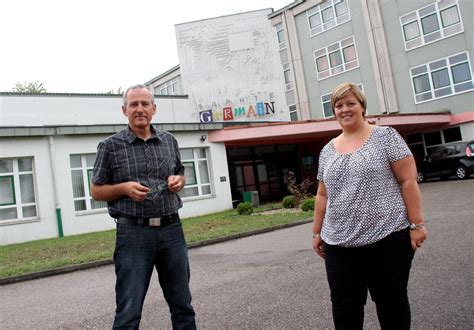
[203,138]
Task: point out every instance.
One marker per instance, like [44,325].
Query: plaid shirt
[124,157]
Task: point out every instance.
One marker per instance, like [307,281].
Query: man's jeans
[383,269]
[138,249]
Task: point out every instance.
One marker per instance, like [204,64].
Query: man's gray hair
[138,86]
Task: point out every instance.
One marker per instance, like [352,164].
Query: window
[432,139]
[293,112]
[81,175]
[452,134]
[326,103]
[327,15]
[309,164]
[170,87]
[415,143]
[17,189]
[336,58]
[411,31]
[196,171]
[450,16]
[431,23]
[286,75]
[442,78]
[281,36]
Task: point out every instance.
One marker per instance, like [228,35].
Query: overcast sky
[93,46]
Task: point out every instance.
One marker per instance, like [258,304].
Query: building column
[380,57]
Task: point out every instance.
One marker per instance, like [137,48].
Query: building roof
[287,7]
[176,67]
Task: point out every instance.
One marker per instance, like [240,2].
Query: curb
[99,263]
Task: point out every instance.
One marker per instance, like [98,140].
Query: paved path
[269,281]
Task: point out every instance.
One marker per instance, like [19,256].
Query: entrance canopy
[311,130]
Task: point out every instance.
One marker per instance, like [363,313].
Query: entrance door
[244,178]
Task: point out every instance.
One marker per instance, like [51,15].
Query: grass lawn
[29,257]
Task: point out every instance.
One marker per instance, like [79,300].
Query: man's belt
[162,221]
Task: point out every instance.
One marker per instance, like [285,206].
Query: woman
[368,219]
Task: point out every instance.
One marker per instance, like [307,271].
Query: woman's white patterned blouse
[365,203]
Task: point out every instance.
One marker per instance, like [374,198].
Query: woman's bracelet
[316,235]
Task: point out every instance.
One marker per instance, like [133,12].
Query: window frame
[429,149]
[279,29]
[287,74]
[86,173]
[336,48]
[18,205]
[426,71]
[12,184]
[197,175]
[293,112]
[432,10]
[335,20]
[171,85]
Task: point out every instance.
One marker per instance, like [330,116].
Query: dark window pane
[452,134]
[335,58]
[322,63]
[430,24]
[314,21]
[440,78]
[80,205]
[327,109]
[412,138]
[432,139]
[7,190]
[341,8]
[418,151]
[461,72]
[328,14]
[422,84]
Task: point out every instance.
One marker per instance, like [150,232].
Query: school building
[248,103]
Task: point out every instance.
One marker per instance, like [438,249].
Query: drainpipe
[59,219]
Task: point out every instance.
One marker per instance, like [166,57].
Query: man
[138,171]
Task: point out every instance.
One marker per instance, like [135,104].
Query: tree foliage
[32,87]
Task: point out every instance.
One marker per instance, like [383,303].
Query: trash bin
[251,197]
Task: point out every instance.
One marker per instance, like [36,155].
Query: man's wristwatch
[414,226]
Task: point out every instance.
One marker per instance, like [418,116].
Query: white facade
[49,129]
[230,68]
[65,109]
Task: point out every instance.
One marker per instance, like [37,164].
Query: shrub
[245,208]
[289,202]
[299,190]
[308,204]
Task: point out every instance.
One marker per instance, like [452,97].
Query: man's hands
[176,183]
[135,191]
[138,192]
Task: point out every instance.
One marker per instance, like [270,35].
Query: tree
[34,87]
